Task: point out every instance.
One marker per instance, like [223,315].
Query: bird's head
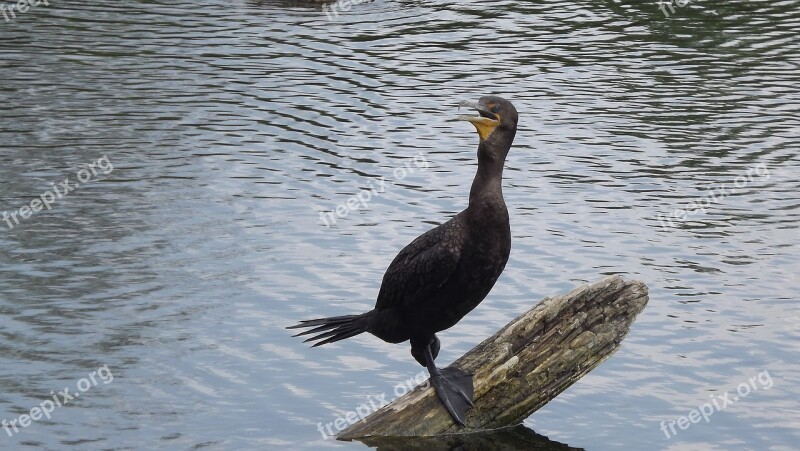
[496,115]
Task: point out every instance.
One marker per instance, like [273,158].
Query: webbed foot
[455,390]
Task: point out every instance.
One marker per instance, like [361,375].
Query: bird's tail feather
[334,328]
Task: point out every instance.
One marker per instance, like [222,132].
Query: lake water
[219,131]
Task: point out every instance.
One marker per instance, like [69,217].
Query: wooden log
[523,366]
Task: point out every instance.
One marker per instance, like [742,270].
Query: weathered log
[523,366]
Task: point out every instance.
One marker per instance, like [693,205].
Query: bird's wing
[422,267]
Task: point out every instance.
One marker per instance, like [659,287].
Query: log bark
[523,366]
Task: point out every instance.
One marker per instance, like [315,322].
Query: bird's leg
[453,386]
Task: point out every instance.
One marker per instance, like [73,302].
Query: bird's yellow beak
[485,121]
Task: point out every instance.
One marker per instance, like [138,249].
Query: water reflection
[519,437]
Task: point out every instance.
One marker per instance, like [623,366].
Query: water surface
[232,125]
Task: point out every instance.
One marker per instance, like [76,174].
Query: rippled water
[232,125]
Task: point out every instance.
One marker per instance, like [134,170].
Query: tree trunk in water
[523,366]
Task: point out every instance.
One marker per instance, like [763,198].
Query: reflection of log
[523,366]
[510,439]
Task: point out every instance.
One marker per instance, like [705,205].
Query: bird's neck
[487,188]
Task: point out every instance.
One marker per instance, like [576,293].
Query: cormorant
[444,273]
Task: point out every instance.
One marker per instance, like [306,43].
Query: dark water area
[209,139]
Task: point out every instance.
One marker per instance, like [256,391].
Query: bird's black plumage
[446,272]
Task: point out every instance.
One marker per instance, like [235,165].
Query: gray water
[220,130]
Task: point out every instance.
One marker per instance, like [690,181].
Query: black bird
[444,273]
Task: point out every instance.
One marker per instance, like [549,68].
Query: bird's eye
[496,109]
